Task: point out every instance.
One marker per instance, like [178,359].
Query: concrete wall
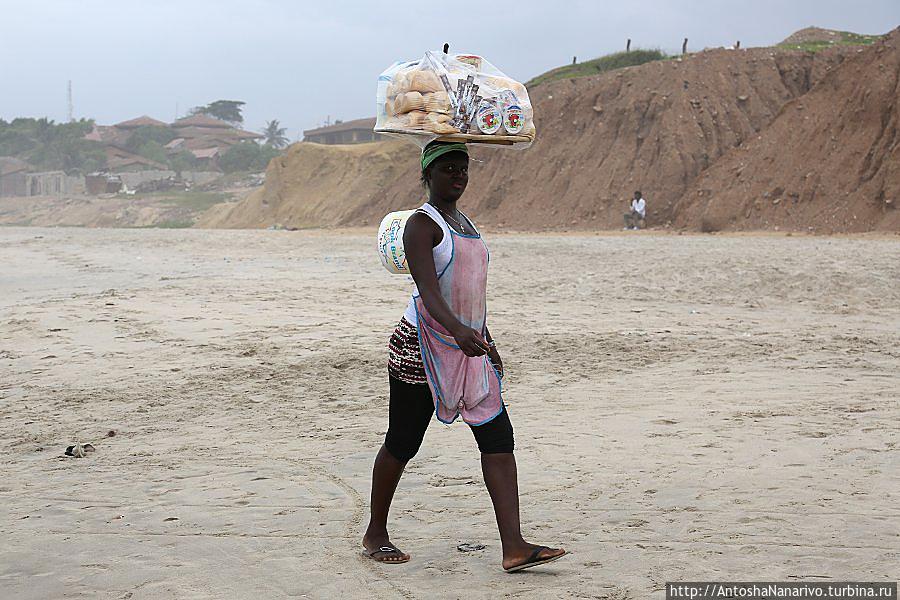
[132,179]
[200,177]
[12,184]
[53,183]
[135,178]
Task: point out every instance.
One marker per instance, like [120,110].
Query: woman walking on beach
[443,361]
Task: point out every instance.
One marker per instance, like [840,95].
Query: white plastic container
[390,242]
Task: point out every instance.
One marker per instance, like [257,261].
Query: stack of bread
[454,97]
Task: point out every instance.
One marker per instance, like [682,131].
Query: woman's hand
[470,341]
[496,360]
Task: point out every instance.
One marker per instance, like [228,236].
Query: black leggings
[410,412]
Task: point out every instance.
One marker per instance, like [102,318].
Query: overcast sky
[301,62]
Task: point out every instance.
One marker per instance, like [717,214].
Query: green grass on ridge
[848,38]
[610,62]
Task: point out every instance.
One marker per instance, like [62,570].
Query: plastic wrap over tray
[453,97]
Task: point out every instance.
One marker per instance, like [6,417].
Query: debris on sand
[80,450]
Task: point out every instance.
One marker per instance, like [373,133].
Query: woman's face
[449,176]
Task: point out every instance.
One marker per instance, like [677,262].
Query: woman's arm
[418,241]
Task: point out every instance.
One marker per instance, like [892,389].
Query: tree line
[51,146]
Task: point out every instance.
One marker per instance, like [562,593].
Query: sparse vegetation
[191,200]
[183,161]
[172,224]
[196,201]
[844,38]
[52,146]
[149,142]
[247,156]
[610,62]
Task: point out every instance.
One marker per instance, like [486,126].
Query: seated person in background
[634,219]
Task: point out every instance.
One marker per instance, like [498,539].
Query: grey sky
[301,61]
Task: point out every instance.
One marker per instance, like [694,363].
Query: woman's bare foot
[380,548]
[529,555]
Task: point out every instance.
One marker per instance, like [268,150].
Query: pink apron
[461,385]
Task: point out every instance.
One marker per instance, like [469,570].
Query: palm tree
[275,135]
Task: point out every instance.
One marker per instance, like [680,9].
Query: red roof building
[201,120]
[204,136]
[119,159]
[143,121]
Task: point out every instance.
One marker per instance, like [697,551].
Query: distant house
[13,176]
[207,138]
[53,183]
[17,178]
[139,122]
[202,121]
[208,157]
[358,131]
[203,136]
[109,135]
[119,159]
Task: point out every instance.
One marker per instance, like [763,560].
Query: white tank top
[442,254]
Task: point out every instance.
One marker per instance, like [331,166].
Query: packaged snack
[489,118]
[513,119]
[459,97]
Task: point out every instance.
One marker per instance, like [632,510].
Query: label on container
[470,59]
[488,119]
[513,119]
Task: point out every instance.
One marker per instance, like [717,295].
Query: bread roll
[415,119]
[424,82]
[505,83]
[434,119]
[397,122]
[438,123]
[444,128]
[437,117]
[409,101]
[437,102]
[400,83]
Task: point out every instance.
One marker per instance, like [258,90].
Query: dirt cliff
[657,127]
[316,185]
[829,162]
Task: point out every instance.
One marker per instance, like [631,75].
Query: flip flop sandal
[79,450]
[534,561]
[387,549]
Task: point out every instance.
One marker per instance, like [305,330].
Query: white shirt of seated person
[639,206]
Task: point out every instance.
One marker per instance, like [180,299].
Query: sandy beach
[686,408]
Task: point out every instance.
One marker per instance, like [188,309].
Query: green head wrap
[436,149]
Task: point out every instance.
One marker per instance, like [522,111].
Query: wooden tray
[504,140]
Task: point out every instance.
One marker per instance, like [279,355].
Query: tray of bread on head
[453,97]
